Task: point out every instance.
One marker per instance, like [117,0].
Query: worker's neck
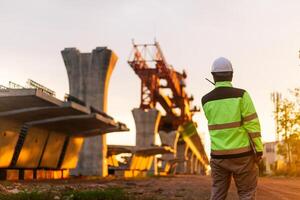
[223,84]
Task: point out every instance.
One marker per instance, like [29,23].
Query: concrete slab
[13,99]
[154,151]
[119,127]
[118,149]
[47,112]
[149,151]
[75,125]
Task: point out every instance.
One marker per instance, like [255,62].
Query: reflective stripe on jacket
[231,117]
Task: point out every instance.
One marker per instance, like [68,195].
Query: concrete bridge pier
[190,162]
[169,139]
[196,166]
[181,157]
[146,123]
[89,75]
[203,170]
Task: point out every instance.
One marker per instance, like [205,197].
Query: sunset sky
[260,37]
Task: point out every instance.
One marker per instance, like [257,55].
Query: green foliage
[25,196]
[107,194]
[287,116]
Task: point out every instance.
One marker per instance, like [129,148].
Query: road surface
[181,187]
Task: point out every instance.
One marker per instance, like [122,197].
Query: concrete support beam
[72,151]
[9,134]
[170,139]
[89,75]
[52,150]
[181,157]
[32,148]
[146,123]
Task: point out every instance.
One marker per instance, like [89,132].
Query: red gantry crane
[161,83]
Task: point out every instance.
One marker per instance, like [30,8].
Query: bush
[107,194]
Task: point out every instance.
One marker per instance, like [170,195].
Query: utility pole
[276,98]
[287,134]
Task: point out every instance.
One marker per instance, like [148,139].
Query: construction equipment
[161,83]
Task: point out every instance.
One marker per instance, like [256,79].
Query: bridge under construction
[43,137]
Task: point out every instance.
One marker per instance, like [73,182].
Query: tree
[287,117]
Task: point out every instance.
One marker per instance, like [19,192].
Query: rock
[56,197]
[10,187]
[139,192]
[130,183]
[159,190]
[14,191]
[2,188]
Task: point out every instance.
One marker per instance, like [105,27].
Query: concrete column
[181,156]
[89,75]
[146,123]
[196,166]
[201,169]
[189,162]
[169,139]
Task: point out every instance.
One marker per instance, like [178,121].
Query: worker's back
[224,108]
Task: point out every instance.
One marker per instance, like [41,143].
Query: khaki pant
[244,172]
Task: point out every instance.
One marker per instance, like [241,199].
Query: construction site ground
[187,187]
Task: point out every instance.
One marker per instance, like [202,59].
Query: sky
[260,37]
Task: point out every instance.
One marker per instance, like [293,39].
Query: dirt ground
[185,187]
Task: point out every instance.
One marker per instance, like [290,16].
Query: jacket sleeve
[251,122]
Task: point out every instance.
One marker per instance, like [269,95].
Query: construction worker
[234,129]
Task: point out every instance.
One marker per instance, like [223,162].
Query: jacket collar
[223,84]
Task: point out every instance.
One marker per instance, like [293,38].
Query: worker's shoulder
[223,93]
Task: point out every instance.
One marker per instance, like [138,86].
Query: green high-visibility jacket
[232,122]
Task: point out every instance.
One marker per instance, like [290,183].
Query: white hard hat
[221,65]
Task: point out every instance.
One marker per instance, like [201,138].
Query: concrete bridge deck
[38,131]
[149,151]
